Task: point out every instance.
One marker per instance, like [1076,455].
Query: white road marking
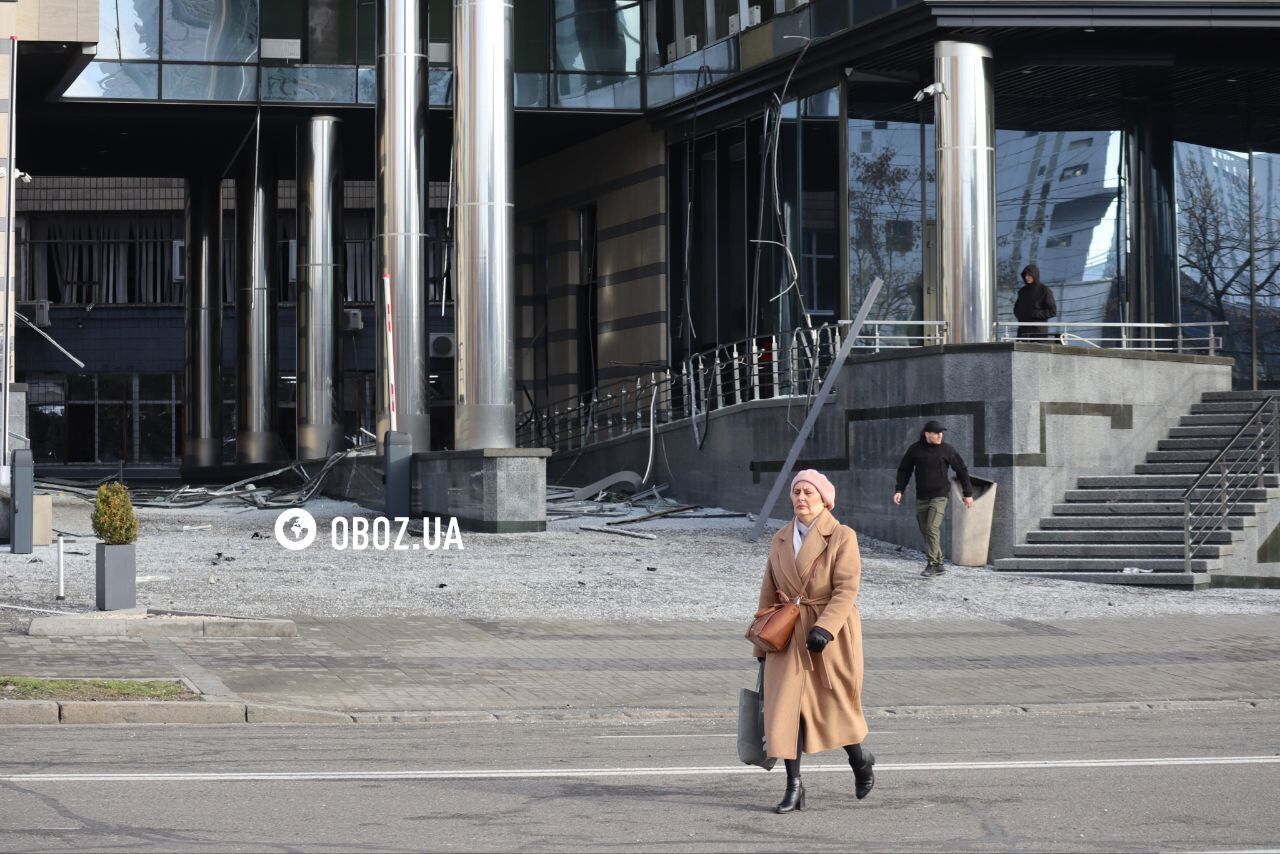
[699,735]
[542,773]
[676,735]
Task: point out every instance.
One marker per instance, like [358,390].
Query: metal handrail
[1007,330]
[1252,462]
[765,367]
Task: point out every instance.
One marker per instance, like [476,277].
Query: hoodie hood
[1030,270]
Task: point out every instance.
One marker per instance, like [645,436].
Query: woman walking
[813,687]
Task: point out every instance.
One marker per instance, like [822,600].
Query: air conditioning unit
[441,345]
[40,316]
[753,16]
[352,320]
[735,24]
[690,44]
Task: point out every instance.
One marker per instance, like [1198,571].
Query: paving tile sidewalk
[435,666]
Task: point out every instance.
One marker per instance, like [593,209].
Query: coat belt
[806,657]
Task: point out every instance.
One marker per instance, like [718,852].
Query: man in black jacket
[928,459]
[1035,304]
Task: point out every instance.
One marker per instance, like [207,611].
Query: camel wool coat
[825,690]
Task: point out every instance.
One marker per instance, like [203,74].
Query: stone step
[1221,431]
[1220,396]
[1173,580]
[1139,508]
[1170,536]
[1193,468]
[1138,496]
[1216,419]
[1114,564]
[1129,523]
[1204,456]
[1116,550]
[1247,407]
[1153,481]
[1212,443]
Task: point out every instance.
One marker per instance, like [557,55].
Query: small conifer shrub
[114,521]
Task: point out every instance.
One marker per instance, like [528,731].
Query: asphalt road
[1187,779]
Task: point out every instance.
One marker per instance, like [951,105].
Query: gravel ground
[696,569]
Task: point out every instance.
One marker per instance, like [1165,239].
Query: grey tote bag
[751,726]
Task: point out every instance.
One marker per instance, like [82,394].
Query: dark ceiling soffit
[951,13]
[755,85]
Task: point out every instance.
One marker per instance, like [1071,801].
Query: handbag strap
[760,680]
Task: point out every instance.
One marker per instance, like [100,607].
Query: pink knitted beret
[826,490]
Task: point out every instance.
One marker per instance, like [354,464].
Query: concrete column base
[201,452]
[257,447]
[490,490]
[319,441]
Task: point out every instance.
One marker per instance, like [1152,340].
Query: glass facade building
[753,164]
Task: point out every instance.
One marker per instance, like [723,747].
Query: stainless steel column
[256,438]
[401,224]
[965,129]
[321,280]
[202,393]
[482,132]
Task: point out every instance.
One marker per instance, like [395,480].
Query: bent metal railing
[1242,466]
[762,368]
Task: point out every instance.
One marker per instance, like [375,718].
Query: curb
[150,712]
[41,712]
[172,627]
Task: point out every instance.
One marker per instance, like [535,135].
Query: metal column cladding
[482,132]
[401,224]
[965,128]
[202,401]
[256,438]
[321,276]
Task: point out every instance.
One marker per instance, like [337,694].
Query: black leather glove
[818,638]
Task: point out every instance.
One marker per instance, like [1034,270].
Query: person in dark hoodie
[929,459]
[1035,304]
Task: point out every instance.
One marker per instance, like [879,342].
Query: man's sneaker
[930,570]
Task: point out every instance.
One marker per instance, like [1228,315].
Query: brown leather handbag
[773,626]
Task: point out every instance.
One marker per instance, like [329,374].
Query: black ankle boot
[863,773]
[793,799]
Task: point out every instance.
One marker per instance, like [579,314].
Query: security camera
[24,177]
[930,90]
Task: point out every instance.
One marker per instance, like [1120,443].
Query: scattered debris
[637,534]
[196,527]
[656,514]
[441,585]
[622,478]
[257,535]
[652,568]
[219,557]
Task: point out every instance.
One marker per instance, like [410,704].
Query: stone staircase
[1110,529]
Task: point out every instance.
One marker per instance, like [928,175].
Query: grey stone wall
[1031,417]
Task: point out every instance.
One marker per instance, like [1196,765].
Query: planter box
[116,573]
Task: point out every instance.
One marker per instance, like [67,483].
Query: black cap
[934,427]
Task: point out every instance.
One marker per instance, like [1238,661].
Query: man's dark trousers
[929,515]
